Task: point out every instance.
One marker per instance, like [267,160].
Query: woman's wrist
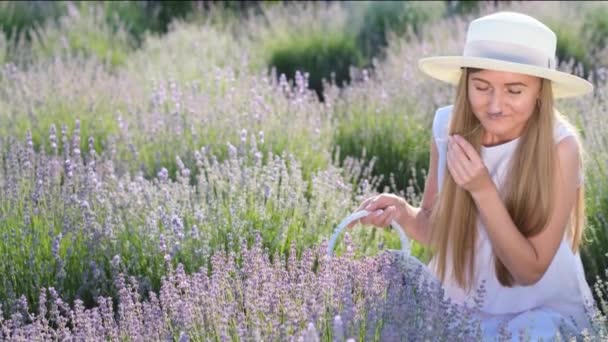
[484,194]
[405,213]
[408,218]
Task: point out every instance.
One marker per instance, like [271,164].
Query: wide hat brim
[448,69]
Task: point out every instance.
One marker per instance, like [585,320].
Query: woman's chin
[500,133]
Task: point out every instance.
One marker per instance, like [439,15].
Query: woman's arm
[526,258]
[417,219]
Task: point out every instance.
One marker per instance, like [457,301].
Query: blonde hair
[528,193]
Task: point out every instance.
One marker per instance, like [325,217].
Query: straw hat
[511,42]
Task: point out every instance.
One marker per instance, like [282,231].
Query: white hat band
[508,52]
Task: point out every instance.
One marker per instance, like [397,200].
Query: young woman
[503,205]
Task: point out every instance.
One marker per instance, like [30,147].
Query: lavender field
[185,190]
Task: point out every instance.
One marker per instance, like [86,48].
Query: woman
[503,201]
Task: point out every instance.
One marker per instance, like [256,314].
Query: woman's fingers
[352,224]
[458,171]
[371,202]
[381,211]
[385,218]
[467,149]
[378,202]
[381,217]
[374,218]
[361,207]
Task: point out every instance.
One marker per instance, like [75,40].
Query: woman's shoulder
[563,128]
[441,121]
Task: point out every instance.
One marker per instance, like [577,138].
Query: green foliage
[396,17]
[140,17]
[171,54]
[18,17]
[60,102]
[581,39]
[398,142]
[3,49]
[85,33]
[57,25]
[471,7]
[458,7]
[593,252]
[95,126]
[595,27]
[159,152]
[288,41]
[571,46]
[319,54]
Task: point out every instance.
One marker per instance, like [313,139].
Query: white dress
[561,293]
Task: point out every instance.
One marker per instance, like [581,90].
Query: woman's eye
[515,92]
[481,89]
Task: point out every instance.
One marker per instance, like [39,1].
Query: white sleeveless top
[563,287]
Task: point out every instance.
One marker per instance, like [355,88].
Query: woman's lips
[495,116]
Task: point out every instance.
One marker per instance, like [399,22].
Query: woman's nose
[495,102]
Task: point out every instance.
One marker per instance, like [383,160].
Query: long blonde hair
[528,193]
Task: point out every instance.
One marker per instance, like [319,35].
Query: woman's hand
[383,208]
[466,166]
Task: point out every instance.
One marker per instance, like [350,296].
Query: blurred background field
[137,134]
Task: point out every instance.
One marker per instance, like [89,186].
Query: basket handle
[405,241]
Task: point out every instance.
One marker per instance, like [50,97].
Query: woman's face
[503,102]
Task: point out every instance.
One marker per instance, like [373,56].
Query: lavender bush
[179,117]
[214,45]
[71,219]
[312,298]
[309,298]
[80,31]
